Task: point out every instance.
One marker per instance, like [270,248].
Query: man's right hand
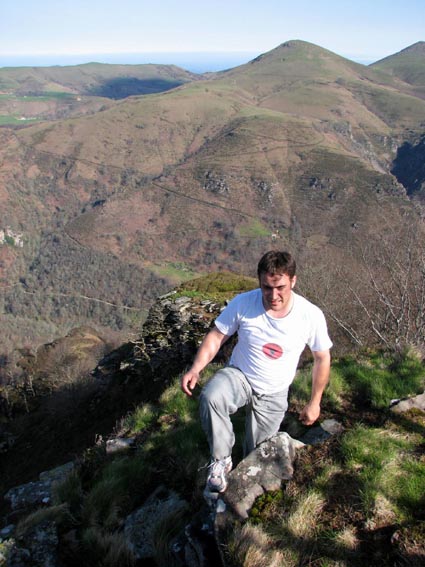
[189,381]
[206,352]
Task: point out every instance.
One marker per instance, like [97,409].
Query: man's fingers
[188,384]
[185,388]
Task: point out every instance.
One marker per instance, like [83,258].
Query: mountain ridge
[87,78]
[407,65]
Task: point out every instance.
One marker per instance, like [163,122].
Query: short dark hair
[277,262]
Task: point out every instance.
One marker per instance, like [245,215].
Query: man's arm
[207,351]
[321,370]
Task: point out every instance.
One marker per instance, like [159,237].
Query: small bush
[302,522]
[219,285]
[174,403]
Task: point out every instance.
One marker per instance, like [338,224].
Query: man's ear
[293,282]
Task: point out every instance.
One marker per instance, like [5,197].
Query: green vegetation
[393,108]
[374,379]
[253,229]
[106,489]
[218,285]
[106,549]
[43,96]
[9,240]
[408,64]
[6,119]
[381,458]
[175,272]
[51,95]
[373,479]
[140,419]
[370,477]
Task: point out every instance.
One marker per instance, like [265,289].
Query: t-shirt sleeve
[319,338]
[228,320]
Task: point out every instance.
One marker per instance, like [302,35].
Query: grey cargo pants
[226,392]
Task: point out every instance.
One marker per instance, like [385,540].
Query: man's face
[276,290]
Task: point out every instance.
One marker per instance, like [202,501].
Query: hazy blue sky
[358,29]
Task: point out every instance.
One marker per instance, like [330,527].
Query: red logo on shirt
[272,351]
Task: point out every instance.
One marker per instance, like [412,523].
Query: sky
[75,30]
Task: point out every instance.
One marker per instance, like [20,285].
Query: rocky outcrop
[39,547]
[38,493]
[215,184]
[409,167]
[171,335]
[262,470]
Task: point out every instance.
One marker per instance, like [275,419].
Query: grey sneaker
[217,477]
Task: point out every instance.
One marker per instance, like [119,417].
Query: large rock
[38,548]
[39,493]
[402,406]
[262,470]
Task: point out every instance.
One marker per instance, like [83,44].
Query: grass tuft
[69,491]
[141,419]
[162,538]
[106,549]
[250,546]
[59,514]
[302,522]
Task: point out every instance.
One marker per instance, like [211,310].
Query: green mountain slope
[31,94]
[115,81]
[408,64]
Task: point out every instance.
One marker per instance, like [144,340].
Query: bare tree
[375,291]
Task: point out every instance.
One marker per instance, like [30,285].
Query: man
[273,324]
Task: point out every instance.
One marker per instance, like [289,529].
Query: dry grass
[58,514]
[347,538]
[251,547]
[302,521]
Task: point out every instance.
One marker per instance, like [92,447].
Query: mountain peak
[417,48]
[408,64]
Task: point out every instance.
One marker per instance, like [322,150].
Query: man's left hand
[310,413]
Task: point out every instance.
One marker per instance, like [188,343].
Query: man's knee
[222,393]
[212,397]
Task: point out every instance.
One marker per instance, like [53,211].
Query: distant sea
[199,62]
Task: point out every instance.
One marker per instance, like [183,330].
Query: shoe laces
[216,465]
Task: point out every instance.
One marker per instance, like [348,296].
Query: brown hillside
[294,149]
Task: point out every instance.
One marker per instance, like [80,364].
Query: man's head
[276,262]
[276,275]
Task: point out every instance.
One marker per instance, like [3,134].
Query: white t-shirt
[269,348]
